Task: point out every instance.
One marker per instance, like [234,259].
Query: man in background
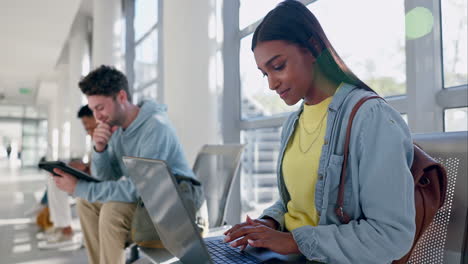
[106,208]
[62,234]
[89,124]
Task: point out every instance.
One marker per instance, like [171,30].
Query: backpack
[430,185]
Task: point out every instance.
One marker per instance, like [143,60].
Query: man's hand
[66,183]
[101,136]
[79,166]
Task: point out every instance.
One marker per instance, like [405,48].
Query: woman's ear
[315,46]
[307,53]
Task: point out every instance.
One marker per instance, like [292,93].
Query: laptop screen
[160,193]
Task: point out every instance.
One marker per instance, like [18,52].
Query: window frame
[425,88]
[132,44]
[425,92]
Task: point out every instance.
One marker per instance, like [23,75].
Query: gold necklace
[301,120]
[319,127]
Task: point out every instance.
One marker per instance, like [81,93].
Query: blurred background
[195,57]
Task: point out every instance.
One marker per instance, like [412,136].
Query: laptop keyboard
[221,252]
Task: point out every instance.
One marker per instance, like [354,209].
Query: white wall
[78,48]
[67,138]
[53,119]
[189,86]
[106,42]
[60,91]
[190,90]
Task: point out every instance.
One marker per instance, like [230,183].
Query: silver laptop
[176,227]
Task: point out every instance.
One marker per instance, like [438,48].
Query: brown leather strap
[342,215]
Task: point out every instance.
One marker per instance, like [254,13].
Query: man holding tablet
[61,234]
[124,129]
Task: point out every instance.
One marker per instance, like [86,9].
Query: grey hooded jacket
[150,135]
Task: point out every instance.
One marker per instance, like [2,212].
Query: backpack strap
[342,215]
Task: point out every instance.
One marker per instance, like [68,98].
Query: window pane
[454,41]
[42,139]
[29,128]
[146,55]
[257,99]
[120,63]
[119,47]
[11,111]
[122,25]
[136,98]
[29,144]
[372,44]
[258,177]
[456,119]
[30,112]
[29,141]
[146,15]
[150,92]
[252,10]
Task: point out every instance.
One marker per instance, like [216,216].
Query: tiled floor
[19,191]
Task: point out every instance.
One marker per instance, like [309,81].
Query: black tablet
[51,165]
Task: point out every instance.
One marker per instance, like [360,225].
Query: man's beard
[113,122]
[118,119]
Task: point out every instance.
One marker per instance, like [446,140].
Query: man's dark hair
[85,111]
[105,80]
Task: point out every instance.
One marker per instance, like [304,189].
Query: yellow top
[301,162]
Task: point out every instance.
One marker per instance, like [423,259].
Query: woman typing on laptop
[293,53]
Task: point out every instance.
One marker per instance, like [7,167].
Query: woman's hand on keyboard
[248,222]
[269,222]
[261,233]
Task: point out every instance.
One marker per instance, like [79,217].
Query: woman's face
[288,67]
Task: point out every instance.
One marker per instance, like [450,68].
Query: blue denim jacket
[379,188]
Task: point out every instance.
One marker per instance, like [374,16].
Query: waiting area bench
[446,239]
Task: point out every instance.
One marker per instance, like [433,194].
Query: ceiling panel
[33,36]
